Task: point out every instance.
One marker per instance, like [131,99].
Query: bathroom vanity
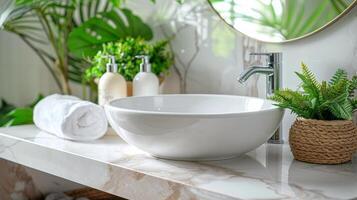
[113,166]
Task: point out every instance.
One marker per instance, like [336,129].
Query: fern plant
[332,100]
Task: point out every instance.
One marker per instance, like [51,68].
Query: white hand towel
[70,118]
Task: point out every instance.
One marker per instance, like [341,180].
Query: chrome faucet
[273,82]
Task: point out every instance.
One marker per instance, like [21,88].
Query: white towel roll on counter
[70,118]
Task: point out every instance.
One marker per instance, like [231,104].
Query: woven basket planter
[323,142]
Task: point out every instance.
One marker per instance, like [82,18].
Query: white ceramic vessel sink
[194,127]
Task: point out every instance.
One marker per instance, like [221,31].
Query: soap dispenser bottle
[111,85]
[145,83]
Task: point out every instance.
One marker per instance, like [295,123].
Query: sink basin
[194,127]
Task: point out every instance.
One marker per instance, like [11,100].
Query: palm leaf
[88,38]
[295,20]
[313,20]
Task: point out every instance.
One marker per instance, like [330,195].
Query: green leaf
[125,52]
[309,82]
[295,101]
[342,110]
[88,38]
[11,116]
[6,7]
[117,3]
[24,2]
[309,75]
[5,107]
[4,120]
[353,102]
[20,116]
[353,85]
[314,19]
[295,19]
[339,5]
[326,101]
[38,98]
[339,75]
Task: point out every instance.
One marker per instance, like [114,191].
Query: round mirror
[280,20]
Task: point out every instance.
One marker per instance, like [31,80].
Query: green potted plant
[323,132]
[125,52]
[62,33]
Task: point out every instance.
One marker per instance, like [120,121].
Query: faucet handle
[272,57]
[261,54]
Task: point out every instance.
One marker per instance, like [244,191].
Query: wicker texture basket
[323,142]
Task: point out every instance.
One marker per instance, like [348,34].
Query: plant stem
[63,79]
[60,64]
[67,28]
[48,66]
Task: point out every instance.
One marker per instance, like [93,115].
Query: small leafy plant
[125,51]
[62,33]
[332,100]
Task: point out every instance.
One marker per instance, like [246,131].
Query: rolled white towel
[70,117]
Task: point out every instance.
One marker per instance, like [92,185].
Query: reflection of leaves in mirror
[287,19]
[222,41]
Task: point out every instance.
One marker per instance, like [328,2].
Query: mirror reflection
[280,20]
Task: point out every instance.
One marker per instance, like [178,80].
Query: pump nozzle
[111,65]
[145,66]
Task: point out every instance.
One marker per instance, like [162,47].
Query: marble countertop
[111,165]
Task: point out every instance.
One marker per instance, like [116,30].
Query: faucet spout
[255,70]
[272,71]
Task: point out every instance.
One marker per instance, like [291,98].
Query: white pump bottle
[145,83]
[111,85]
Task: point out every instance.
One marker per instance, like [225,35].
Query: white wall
[22,75]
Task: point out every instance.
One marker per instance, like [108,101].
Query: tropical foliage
[332,100]
[287,18]
[87,39]
[125,51]
[11,115]
[61,32]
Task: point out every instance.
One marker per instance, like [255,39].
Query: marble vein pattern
[16,183]
[113,166]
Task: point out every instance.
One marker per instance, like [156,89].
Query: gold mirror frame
[345,12]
